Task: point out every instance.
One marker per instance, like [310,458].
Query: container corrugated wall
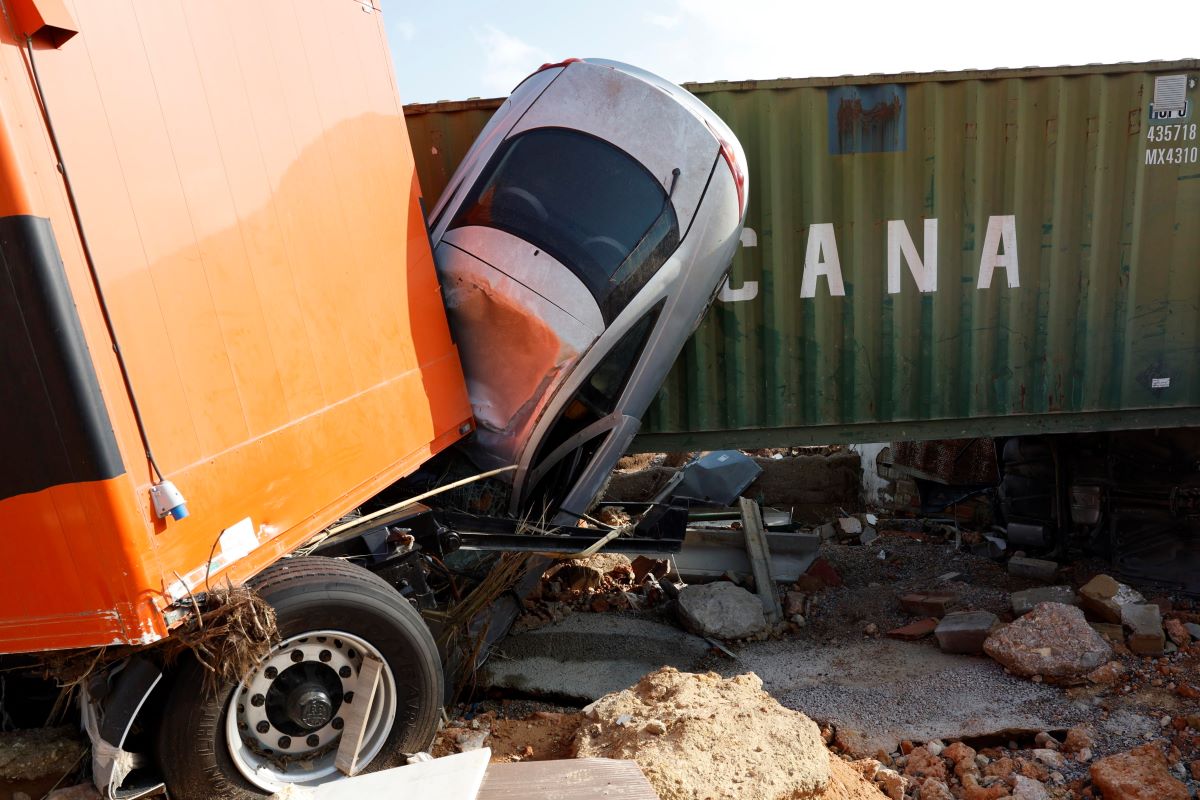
[1077,189]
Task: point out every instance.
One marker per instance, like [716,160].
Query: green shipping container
[939,255]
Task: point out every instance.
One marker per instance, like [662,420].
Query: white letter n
[924,270]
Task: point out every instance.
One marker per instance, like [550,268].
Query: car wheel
[283,722]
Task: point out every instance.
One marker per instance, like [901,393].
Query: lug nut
[348,698]
[257,700]
[345,672]
[285,742]
[337,643]
[313,740]
[338,723]
[297,656]
[271,672]
[325,655]
[263,726]
[351,653]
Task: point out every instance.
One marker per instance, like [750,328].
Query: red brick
[913,631]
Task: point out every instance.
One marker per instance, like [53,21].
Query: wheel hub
[310,707]
[285,721]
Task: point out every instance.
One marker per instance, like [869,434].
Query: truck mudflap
[108,706]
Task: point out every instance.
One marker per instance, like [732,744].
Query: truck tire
[332,616]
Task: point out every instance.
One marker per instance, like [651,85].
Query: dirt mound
[701,737]
[845,783]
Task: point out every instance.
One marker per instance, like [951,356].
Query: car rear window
[582,200]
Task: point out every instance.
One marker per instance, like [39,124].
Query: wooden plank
[570,779]
[356,715]
[760,558]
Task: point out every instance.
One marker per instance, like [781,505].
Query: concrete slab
[456,777]
[890,690]
[587,656]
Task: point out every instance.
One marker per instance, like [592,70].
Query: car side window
[585,202]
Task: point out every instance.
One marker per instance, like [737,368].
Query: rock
[851,526]
[794,603]
[655,727]
[721,610]
[1051,758]
[927,605]
[1108,674]
[83,791]
[1177,631]
[924,764]
[892,783]
[1034,568]
[1029,789]
[1140,774]
[934,789]
[1146,635]
[1103,596]
[1078,738]
[723,733]
[471,740]
[914,631]
[827,531]
[965,631]
[971,790]
[1024,601]
[1052,640]
[643,566]
[1193,629]
[867,536]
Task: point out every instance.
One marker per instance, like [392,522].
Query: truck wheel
[282,723]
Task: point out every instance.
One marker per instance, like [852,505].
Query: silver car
[579,244]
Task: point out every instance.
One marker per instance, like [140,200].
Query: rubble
[914,630]
[1177,632]
[1034,568]
[1024,601]
[927,605]
[721,610]
[724,738]
[26,755]
[1144,620]
[1053,640]
[1104,597]
[1140,774]
[965,631]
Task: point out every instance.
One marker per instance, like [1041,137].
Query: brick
[1144,620]
[1113,633]
[927,605]
[965,631]
[1035,568]
[1024,601]
[915,630]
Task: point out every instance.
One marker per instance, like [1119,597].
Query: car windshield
[584,202]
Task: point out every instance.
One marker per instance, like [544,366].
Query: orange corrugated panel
[245,182]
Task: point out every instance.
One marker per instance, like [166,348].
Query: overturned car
[579,244]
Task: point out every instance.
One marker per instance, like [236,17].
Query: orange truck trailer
[221,329]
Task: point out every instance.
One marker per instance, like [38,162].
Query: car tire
[310,595]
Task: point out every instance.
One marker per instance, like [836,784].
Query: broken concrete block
[1053,640]
[643,566]
[721,610]
[851,526]
[1144,620]
[1193,629]
[965,631]
[1034,568]
[927,605]
[1103,597]
[827,531]
[867,536]
[914,631]
[1024,601]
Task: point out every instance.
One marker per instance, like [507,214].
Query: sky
[457,49]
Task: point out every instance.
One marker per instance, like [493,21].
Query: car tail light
[562,63]
[736,167]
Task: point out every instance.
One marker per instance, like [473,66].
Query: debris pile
[599,583]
